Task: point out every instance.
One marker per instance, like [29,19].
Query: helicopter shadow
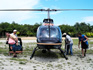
[49,56]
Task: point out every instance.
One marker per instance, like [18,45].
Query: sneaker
[85,55]
[82,57]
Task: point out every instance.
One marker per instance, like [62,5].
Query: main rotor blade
[27,9]
[21,9]
[46,9]
[74,9]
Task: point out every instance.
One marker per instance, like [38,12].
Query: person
[68,44]
[14,32]
[83,39]
[12,41]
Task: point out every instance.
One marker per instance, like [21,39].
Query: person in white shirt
[68,43]
[12,41]
[14,32]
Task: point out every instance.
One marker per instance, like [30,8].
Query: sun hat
[64,34]
[15,30]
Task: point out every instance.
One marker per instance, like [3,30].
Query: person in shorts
[83,39]
[12,41]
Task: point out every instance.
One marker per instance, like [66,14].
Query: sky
[60,17]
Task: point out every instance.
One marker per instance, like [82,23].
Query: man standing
[83,39]
[14,32]
[12,41]
[12,37]
[68,44]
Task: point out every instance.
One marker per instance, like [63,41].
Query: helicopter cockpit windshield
[44,32]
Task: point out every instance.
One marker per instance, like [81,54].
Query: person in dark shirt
[83,39]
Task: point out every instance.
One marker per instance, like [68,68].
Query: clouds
[26,17]
[16,4]
[6,4]
[88,19]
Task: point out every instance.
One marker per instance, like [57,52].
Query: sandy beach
[40,62]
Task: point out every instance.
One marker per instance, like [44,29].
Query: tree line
[30,30]
[83,28]
[23,30]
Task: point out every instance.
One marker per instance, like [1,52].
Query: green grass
[90,42]
[59,66]
[75,41]
[49,65]
[2,38]
[0,42]
[90,51]
[23,63]
[54,54]
[3,51]
[16,59]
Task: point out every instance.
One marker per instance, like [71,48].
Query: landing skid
[63,53]
[32,55]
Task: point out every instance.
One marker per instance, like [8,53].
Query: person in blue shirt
[83,39]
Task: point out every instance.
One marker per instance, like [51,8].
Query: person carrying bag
[12,41]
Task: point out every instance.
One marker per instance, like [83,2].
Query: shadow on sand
[49,56]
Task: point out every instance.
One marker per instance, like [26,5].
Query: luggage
[18,48]
[6,42]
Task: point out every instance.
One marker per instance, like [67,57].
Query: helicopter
[48,35]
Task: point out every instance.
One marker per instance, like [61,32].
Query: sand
[41,63]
